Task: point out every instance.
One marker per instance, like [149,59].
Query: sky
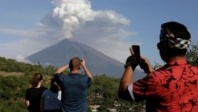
[110,26]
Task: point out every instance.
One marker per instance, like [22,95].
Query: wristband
[126,65]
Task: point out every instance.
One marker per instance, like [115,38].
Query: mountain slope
[60,54]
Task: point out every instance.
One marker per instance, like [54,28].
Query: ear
[163,53]
[165,49]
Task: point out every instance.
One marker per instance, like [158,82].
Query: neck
[74,71]
[175,58]
[39,85]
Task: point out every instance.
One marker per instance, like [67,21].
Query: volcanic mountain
[60,54]
[97,62]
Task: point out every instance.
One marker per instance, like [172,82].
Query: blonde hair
[75,63]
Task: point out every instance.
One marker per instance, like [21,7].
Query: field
[4,74]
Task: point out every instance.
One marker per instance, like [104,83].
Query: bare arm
[86,70]
[27,103]
[127,78]
[61,69]
[128,74]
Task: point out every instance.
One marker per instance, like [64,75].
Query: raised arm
[145,65]
[127,78]
[61,69]
[87,72]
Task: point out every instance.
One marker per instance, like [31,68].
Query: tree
[192,54]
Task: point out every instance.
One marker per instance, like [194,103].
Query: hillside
[60,54]
[16,79]
[98,63]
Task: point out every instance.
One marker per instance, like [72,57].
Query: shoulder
[83,76]
[193,68]
[160,74]
[46,91]
[29,89]
[43,88]
[153,78]
[59,76]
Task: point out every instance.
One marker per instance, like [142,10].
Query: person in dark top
[33,94]
[50,101]
[74,85]
[174,86]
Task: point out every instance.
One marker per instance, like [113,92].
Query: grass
[4,74]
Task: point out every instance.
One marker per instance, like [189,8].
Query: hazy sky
[110,26]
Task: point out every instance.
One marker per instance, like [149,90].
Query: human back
[74,92]
[33,94]
[74,86]
[174,86]
[50,101]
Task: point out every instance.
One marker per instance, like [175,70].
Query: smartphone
[136,50]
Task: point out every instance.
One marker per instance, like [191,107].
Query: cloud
[13,31]
[104,30]
[20,58]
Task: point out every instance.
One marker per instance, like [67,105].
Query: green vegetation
[12,91]
[15,77]
[192,54]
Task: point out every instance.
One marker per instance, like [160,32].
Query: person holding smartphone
[74,85]
[171,88]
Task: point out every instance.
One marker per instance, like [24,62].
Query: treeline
[14,80]
[11,65]
[103,92]
[12,89]
[192,54]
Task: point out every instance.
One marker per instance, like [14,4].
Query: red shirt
[172,88]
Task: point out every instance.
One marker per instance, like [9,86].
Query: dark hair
[75,63]
[37,77]
[54,86]
[180,31]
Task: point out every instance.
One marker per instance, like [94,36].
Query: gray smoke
[104,30]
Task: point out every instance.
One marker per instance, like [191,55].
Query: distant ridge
[60,54]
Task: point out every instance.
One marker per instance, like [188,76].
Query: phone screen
[136,50]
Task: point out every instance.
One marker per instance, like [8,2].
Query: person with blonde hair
[74,86]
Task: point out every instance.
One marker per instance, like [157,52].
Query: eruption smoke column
[72,14]
[104,30]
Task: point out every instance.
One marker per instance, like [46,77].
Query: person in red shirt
[171,88]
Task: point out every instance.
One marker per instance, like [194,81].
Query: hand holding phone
[136,51]
[134,59]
